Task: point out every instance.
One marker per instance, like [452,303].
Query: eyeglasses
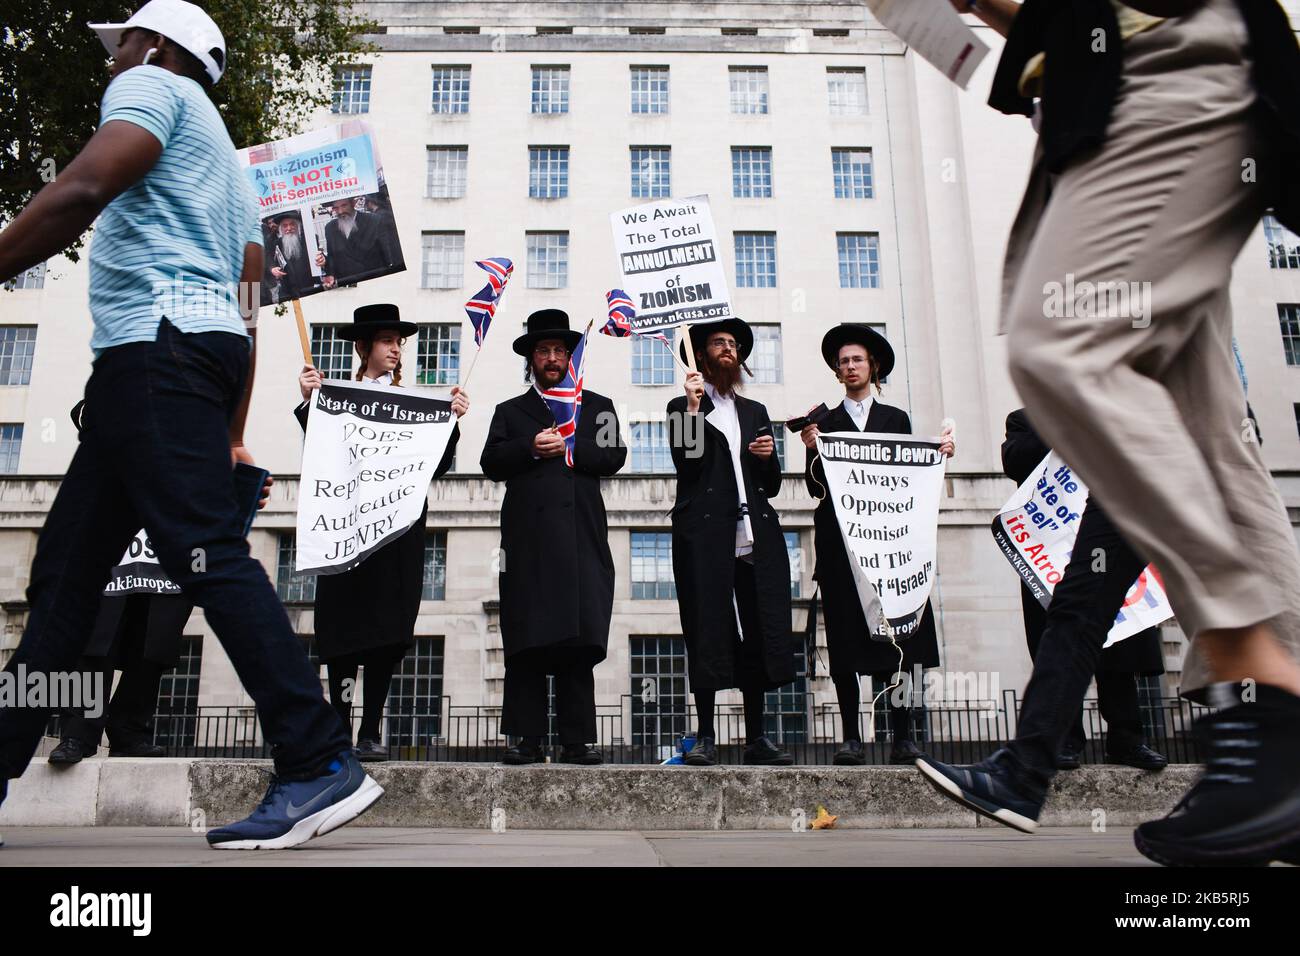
[853,360]
[558,351]
[724,345]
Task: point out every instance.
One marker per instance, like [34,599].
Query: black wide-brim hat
[738,328]
[853,333]
[547,324]
[370,320]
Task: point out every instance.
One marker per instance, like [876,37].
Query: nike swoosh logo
[294,812]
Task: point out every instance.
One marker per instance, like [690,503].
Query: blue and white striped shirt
[173,244]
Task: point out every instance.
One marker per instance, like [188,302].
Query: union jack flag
[565,399]
[621,314]
[483,306]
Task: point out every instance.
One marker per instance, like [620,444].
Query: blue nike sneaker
[995,787]
[292,812]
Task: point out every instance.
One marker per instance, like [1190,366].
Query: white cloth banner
[139,571]
[1036,529]
[886,489]
[370,454]
[668,255]
[936,32]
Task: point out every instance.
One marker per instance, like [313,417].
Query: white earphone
[148,55]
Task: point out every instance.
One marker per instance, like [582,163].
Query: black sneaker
[994,787]
[524,752]
[582,754]
[70,751]
[1068,760]
[140,748]
[905,753]
[1245,808]
[370,751]
[703,754]
[852,754]
[762,752]
[1141,756]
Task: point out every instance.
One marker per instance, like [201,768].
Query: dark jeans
[1117,696]
[155,452]
[1082,611]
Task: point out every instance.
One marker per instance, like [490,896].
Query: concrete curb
[206,793]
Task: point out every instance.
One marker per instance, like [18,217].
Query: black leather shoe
[851,754]
[703,754]
[904,753]
[140,748]
[523,753]
[584,754]
[1141,756]
[762,752]
[1068,760]
[70,751]
[370,751]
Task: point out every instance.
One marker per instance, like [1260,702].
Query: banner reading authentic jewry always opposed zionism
[370,454]
[886,489]
[668,254]
[1036,529]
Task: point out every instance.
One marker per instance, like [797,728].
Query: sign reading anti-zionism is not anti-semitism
[885,489]
[369,457]
[668,256]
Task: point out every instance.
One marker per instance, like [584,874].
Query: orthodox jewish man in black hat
[365,617]
[861,359]
[556,572]
[729,556]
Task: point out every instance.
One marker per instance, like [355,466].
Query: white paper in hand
[936,32]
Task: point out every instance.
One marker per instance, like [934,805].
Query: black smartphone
[249,481]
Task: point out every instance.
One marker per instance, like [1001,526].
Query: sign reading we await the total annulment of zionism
[668,255]
[1036,529]
[886,489]
[366,466]
[327,220]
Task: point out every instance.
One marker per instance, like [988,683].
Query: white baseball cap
[183,23]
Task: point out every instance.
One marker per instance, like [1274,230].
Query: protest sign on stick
[936,32]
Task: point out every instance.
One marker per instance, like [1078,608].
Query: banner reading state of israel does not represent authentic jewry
[886,490]
[1036,529]
[370,454]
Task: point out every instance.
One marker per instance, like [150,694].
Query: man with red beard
[556,572]
[729,558]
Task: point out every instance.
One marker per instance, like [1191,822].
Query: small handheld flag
[483,306]
[565,399]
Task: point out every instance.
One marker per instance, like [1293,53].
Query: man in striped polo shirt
[177,238]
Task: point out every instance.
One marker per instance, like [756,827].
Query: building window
[450,89]
[11,444]
[33,278]
[548,260]
[435,566]
[333,354]
[880,327]
[755,260]
[550,89]
[649,89]
[652,361]
[351,90]
[785,710]
[1289,318]
[650,451]
[830,33]
[461,31]
[765,360]
[795,553]
[447,172]
[437,352]
[17,346]
[852,171]
[177,710]
[645,31]
[740,31]
[751,172]
[442,260]
[651,172]
[778,439]
[657,668]
[548,172]
[1296,408]
[846,88]
[415,696]
[1283,245]
[290,588]
[748,89]
[554,31]
[652,566]
[859,256]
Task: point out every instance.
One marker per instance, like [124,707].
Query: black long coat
[556,572]
[371,250]
[371,609]
[851,649]
[164,617]
[1022,450]
[704,547]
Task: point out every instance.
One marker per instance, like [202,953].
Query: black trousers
[128,718]
[1117,696]
[523,710]
[1082,611]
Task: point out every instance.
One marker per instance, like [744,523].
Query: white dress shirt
[858,411]
[724,419]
